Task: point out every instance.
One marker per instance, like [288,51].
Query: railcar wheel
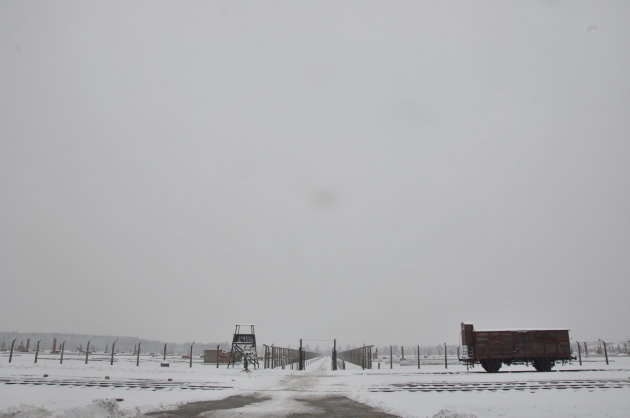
[543,365]
[491,366]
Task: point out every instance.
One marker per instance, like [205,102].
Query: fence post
[37,350]
[218,353]
[164,358]
[605,350]
[11,355]
[445,358]
[273,356]
[191,347]
[579,352]
[391,358]
[63,347]
[87,352]
[418,357]
[138,356]
[585,349]
[334,355]
[111,361]
[362,357]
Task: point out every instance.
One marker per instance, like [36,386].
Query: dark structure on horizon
[541,348]
[244,347]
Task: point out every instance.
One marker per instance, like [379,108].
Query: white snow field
[73,389]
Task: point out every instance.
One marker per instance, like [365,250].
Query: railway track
[483,372]
[125,384]
[530,386]
[503,386]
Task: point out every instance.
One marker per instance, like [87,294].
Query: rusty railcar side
[542,348]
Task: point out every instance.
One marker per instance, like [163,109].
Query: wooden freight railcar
[541,348]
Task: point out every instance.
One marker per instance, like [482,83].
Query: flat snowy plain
[73,389]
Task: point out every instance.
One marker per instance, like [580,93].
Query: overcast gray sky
[372,171]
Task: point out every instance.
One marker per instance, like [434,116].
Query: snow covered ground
[72,389]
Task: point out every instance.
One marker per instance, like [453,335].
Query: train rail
[517,385]
[530,386]
[125,384]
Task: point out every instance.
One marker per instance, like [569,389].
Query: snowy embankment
[517,391]
[94,401]
[73,389]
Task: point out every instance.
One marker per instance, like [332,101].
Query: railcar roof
[521,329]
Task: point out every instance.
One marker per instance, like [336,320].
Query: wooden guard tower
[244,346]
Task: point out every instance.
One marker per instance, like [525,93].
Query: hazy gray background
[372,171]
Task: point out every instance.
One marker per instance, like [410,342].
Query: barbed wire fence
[360,356]
[88,351]
[287,357]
